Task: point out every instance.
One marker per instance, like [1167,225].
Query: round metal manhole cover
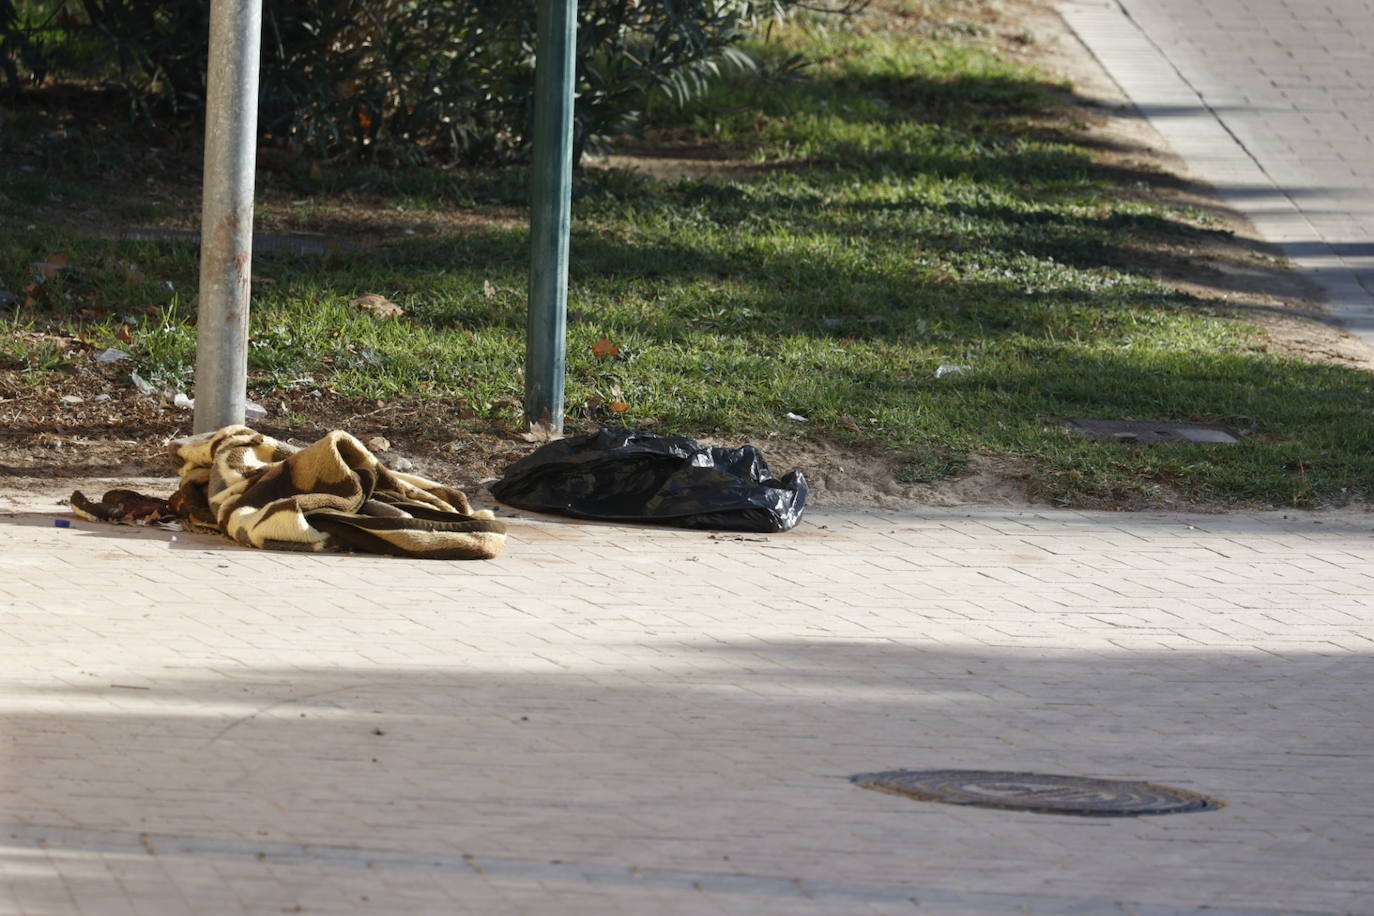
[1038,792]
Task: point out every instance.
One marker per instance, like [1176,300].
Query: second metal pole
[551,212]
[226,222]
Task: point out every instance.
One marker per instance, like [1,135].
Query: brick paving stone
[1269,101]
[665,734]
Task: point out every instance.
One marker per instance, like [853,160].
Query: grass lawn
[918,198]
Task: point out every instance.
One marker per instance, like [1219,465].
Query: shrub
[410,80]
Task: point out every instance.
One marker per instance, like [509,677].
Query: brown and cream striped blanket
[332,495]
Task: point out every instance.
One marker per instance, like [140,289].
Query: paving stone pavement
[619,720]
[1272,102]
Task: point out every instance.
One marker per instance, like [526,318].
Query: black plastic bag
[628,475]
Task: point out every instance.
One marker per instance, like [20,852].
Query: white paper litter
[951,370]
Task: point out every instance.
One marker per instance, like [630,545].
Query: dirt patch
[47,449]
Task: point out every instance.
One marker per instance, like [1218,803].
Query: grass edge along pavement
[918,252]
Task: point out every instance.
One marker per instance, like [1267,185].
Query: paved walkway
[612,720]
[1271,101]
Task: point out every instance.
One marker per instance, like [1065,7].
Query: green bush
[399,80]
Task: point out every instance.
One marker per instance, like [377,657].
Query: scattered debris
[380,306]
[798,417]
[942,371]
[143,385]
[126,507]
[181,400]
[112,355]
[254,411]
[72,399]
[542,430]
[379,444]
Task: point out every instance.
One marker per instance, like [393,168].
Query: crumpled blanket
[332,495]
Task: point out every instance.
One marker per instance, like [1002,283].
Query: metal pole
[551,214]
[226,222]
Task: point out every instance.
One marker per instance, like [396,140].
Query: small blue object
[61,523]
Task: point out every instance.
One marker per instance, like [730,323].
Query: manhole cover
[1038,792]
[1149,432]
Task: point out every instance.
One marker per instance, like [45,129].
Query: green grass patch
[922,217]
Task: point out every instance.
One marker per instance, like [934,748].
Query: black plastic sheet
[629,475]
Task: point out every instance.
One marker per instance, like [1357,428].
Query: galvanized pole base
[551,214]
[226,230]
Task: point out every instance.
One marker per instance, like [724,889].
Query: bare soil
[48,444]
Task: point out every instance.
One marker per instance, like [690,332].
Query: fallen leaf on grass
[848,423]
[51,267]
[604,349]
[377,305]
[125,334]
[618,406]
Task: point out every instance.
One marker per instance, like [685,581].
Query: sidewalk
[1271,102]
[617,720]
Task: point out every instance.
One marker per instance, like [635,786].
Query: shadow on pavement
[728,755]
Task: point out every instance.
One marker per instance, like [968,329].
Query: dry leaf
[604,349]
[136,276]
[618,406]
[467,413]
[125,334]
[377,305]
[487,289]
[541,430]
[378,444]
[51,267]
[848,423]
[595,401]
